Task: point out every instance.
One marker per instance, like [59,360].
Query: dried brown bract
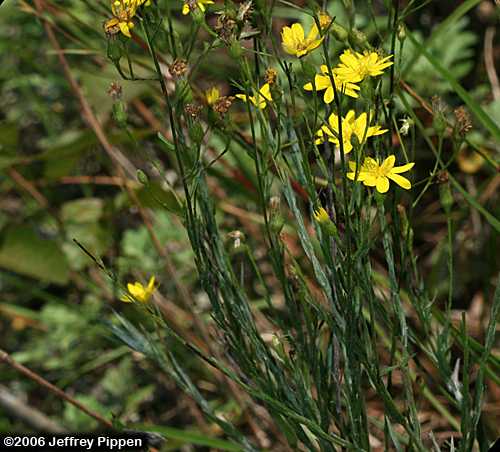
[271,75]
[223,104]
[463,120]
[442,177]
[193,110]
[225,28]
[178,68]
[115,91]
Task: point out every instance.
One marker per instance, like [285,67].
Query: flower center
[363,69]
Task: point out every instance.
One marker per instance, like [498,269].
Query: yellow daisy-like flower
[323,82]
[350,126]
[211,95]
[261,99]
[324,19]
[191,5]
[123,13]
[372,174]
[354,66]
[321,215]
[138,292]
[470,162]
[295,43]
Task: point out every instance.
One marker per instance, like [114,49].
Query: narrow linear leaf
[475,108]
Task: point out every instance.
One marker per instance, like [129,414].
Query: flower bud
[446,197]
[401,33]
[325,223]
[339,32]
[142,177]
[235,49]
[358,38]
[120,113]
[115,50]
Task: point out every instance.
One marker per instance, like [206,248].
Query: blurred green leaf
[23,251]
[82,210]
[154,196]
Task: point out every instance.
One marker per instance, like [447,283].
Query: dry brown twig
[126,170]
[7,359]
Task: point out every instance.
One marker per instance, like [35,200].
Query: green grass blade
[472,201]
[190,437]
[475,108]
[457,14]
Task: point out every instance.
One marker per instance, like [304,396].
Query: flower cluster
[352,69]
[123,13]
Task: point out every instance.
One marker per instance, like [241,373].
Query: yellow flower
[212,95]
[354,66]
[469,161]
[372,174]
[323,82]
[261,99]
[321,215]
[350,126]
[295,43]
[123,13]
[138,292]
[191,5]
[324,19]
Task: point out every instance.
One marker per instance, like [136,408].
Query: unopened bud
[235,49]
[359,38]
[325,223]
[339,32]
[115,49]
[238,238]
[142,177]
[120,113]
[401,32]
[446,197]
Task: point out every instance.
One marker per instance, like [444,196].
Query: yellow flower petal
[400,180]
[403,168]
[297,32]
[124,28]
[388,163]
[382,184]
[329,95]
[370,180]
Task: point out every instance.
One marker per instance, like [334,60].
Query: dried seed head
[223,104]
[225,28]
[237,237]
[463,121]
[438,105]
[115,91]
[178,68]
[193,4]
[442,177]
[271,76]
[192,110]
[245,11]
[274,203]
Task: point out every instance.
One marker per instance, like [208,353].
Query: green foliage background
[57,308]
